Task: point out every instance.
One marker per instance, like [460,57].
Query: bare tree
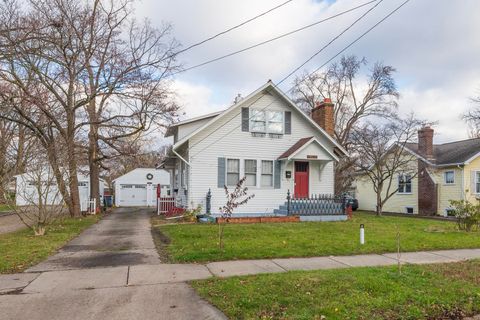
[356,98]
[81,69]
[236,198]
[472,117]
[38,200]
[384,161]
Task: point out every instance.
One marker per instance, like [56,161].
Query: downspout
[463,180]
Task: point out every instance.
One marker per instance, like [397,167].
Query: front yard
[443,291]
[199,243]
[21,249]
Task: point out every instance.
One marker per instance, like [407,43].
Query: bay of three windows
[252,170]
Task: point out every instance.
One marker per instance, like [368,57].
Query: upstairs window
[266,121]
[404,183]
[233,172]
[449,177]
[251,172]
[275,122]
[257,121]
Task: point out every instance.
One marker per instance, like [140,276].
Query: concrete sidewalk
[160,274]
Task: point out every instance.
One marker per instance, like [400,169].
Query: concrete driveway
[123,238]
[111,271]
[10,222]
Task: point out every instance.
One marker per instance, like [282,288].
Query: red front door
[301,179]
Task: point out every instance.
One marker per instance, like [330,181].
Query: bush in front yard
[467,214]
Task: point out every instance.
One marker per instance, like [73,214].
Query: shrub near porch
[199,243]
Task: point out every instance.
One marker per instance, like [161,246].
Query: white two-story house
[264,137]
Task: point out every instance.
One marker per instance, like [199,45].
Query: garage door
[133,195]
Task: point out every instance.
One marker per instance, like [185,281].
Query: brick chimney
[425,143]
[323,115]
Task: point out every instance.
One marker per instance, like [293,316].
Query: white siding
[185,129]
[225,139]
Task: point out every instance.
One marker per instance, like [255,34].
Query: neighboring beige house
[449,171]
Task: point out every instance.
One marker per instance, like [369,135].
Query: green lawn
[4,207]
[446,291]
[198,243]
[21,249]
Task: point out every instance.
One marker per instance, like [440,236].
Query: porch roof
[315,150]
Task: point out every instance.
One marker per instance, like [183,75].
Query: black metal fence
[317,204]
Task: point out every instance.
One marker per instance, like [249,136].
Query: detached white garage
[138,188]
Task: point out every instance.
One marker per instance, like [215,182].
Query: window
[404,183]
[233,171]
[257,121]
[275,122]
[409,210]
[266,121]
[477,182]
[449,177]
[450,212]
[251,172]
[267,173]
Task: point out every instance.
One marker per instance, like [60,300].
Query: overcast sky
[433,44]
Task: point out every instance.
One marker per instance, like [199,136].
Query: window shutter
[245,120]
[288,122]
[277,174]
[221,173]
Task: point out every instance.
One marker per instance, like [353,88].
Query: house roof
[300,145]
[271,87]
[452,153]
[172,127]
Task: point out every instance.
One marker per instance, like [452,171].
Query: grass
[199,243]
[5,207]
[21,249]
[447,291]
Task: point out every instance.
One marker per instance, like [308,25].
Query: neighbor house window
[449,177]
[404,183]
[266,121]
[233,171]
[477,182]
[267,173]
[251,172]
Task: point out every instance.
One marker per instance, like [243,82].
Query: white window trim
[250,114]
[445,178]
[398,184]
[272,174]
[256,172]
[240,161]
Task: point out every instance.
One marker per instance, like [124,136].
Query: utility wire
[330,42]
[229,29]
[275,38]
[324,64]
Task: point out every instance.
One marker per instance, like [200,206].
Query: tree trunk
[379,205]
[93,165]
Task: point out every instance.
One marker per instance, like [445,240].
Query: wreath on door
[149,176]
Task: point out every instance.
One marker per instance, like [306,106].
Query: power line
[324,64]
[330,42]
[230,29]
[274,38]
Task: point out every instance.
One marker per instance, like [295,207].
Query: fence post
[209,202]
[288,202]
